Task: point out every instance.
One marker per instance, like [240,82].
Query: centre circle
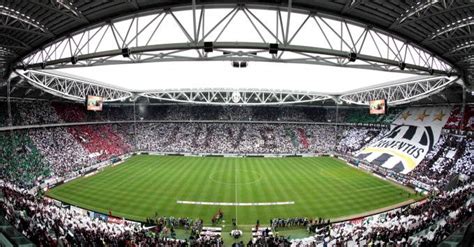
[243,177]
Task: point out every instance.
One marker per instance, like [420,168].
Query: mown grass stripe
[320,187]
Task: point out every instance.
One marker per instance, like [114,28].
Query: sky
[221,74]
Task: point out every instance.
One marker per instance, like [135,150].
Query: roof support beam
[71,88]
[10,16]
[9,37]
[14,47]
[424,16]
[444,39]
[351,4]
[92,58]
[7,27]
[402,92]
[338,39]
[76,15]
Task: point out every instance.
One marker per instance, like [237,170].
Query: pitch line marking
[374,188]
[243,204]
[235,186]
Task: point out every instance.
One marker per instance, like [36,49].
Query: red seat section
[100,141]
[456,116]
[303,138]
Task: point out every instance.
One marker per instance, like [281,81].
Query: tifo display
[236,123]
[274,180]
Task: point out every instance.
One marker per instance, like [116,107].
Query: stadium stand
[36,113]
[45,112]
[441,214]
[456,116]
[352,119]
[34,155]
[61,150]
[469,119]
[20,161]
[3,114]
[101,142]
[354,138]
[361,116]
[450,156]
[404,226]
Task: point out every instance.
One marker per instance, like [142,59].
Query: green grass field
[319,187]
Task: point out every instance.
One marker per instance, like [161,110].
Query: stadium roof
[439,30]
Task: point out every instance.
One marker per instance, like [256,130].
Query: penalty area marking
[236,203]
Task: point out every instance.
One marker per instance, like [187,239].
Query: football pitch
[243,188]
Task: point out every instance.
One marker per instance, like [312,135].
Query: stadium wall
[85,172]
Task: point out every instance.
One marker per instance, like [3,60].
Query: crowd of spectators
[269,241]
[232,113]
[456,116]
[29,157]
[20,160]
[101,141]
[61,150]
[465,162]
[31,113]
[354,138]
[46,224]
[49,225]
[67,150]
[289,222]
[451,156]
[236,138]
[441,214]
[45,112]
[64,151]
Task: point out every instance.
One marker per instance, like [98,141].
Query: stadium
[236,123]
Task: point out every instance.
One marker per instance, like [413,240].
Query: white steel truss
[401,92]
[230,32]
[396,92]
[71,88]
[236,97]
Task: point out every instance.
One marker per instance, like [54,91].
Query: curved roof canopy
[420,37]
[273,34]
